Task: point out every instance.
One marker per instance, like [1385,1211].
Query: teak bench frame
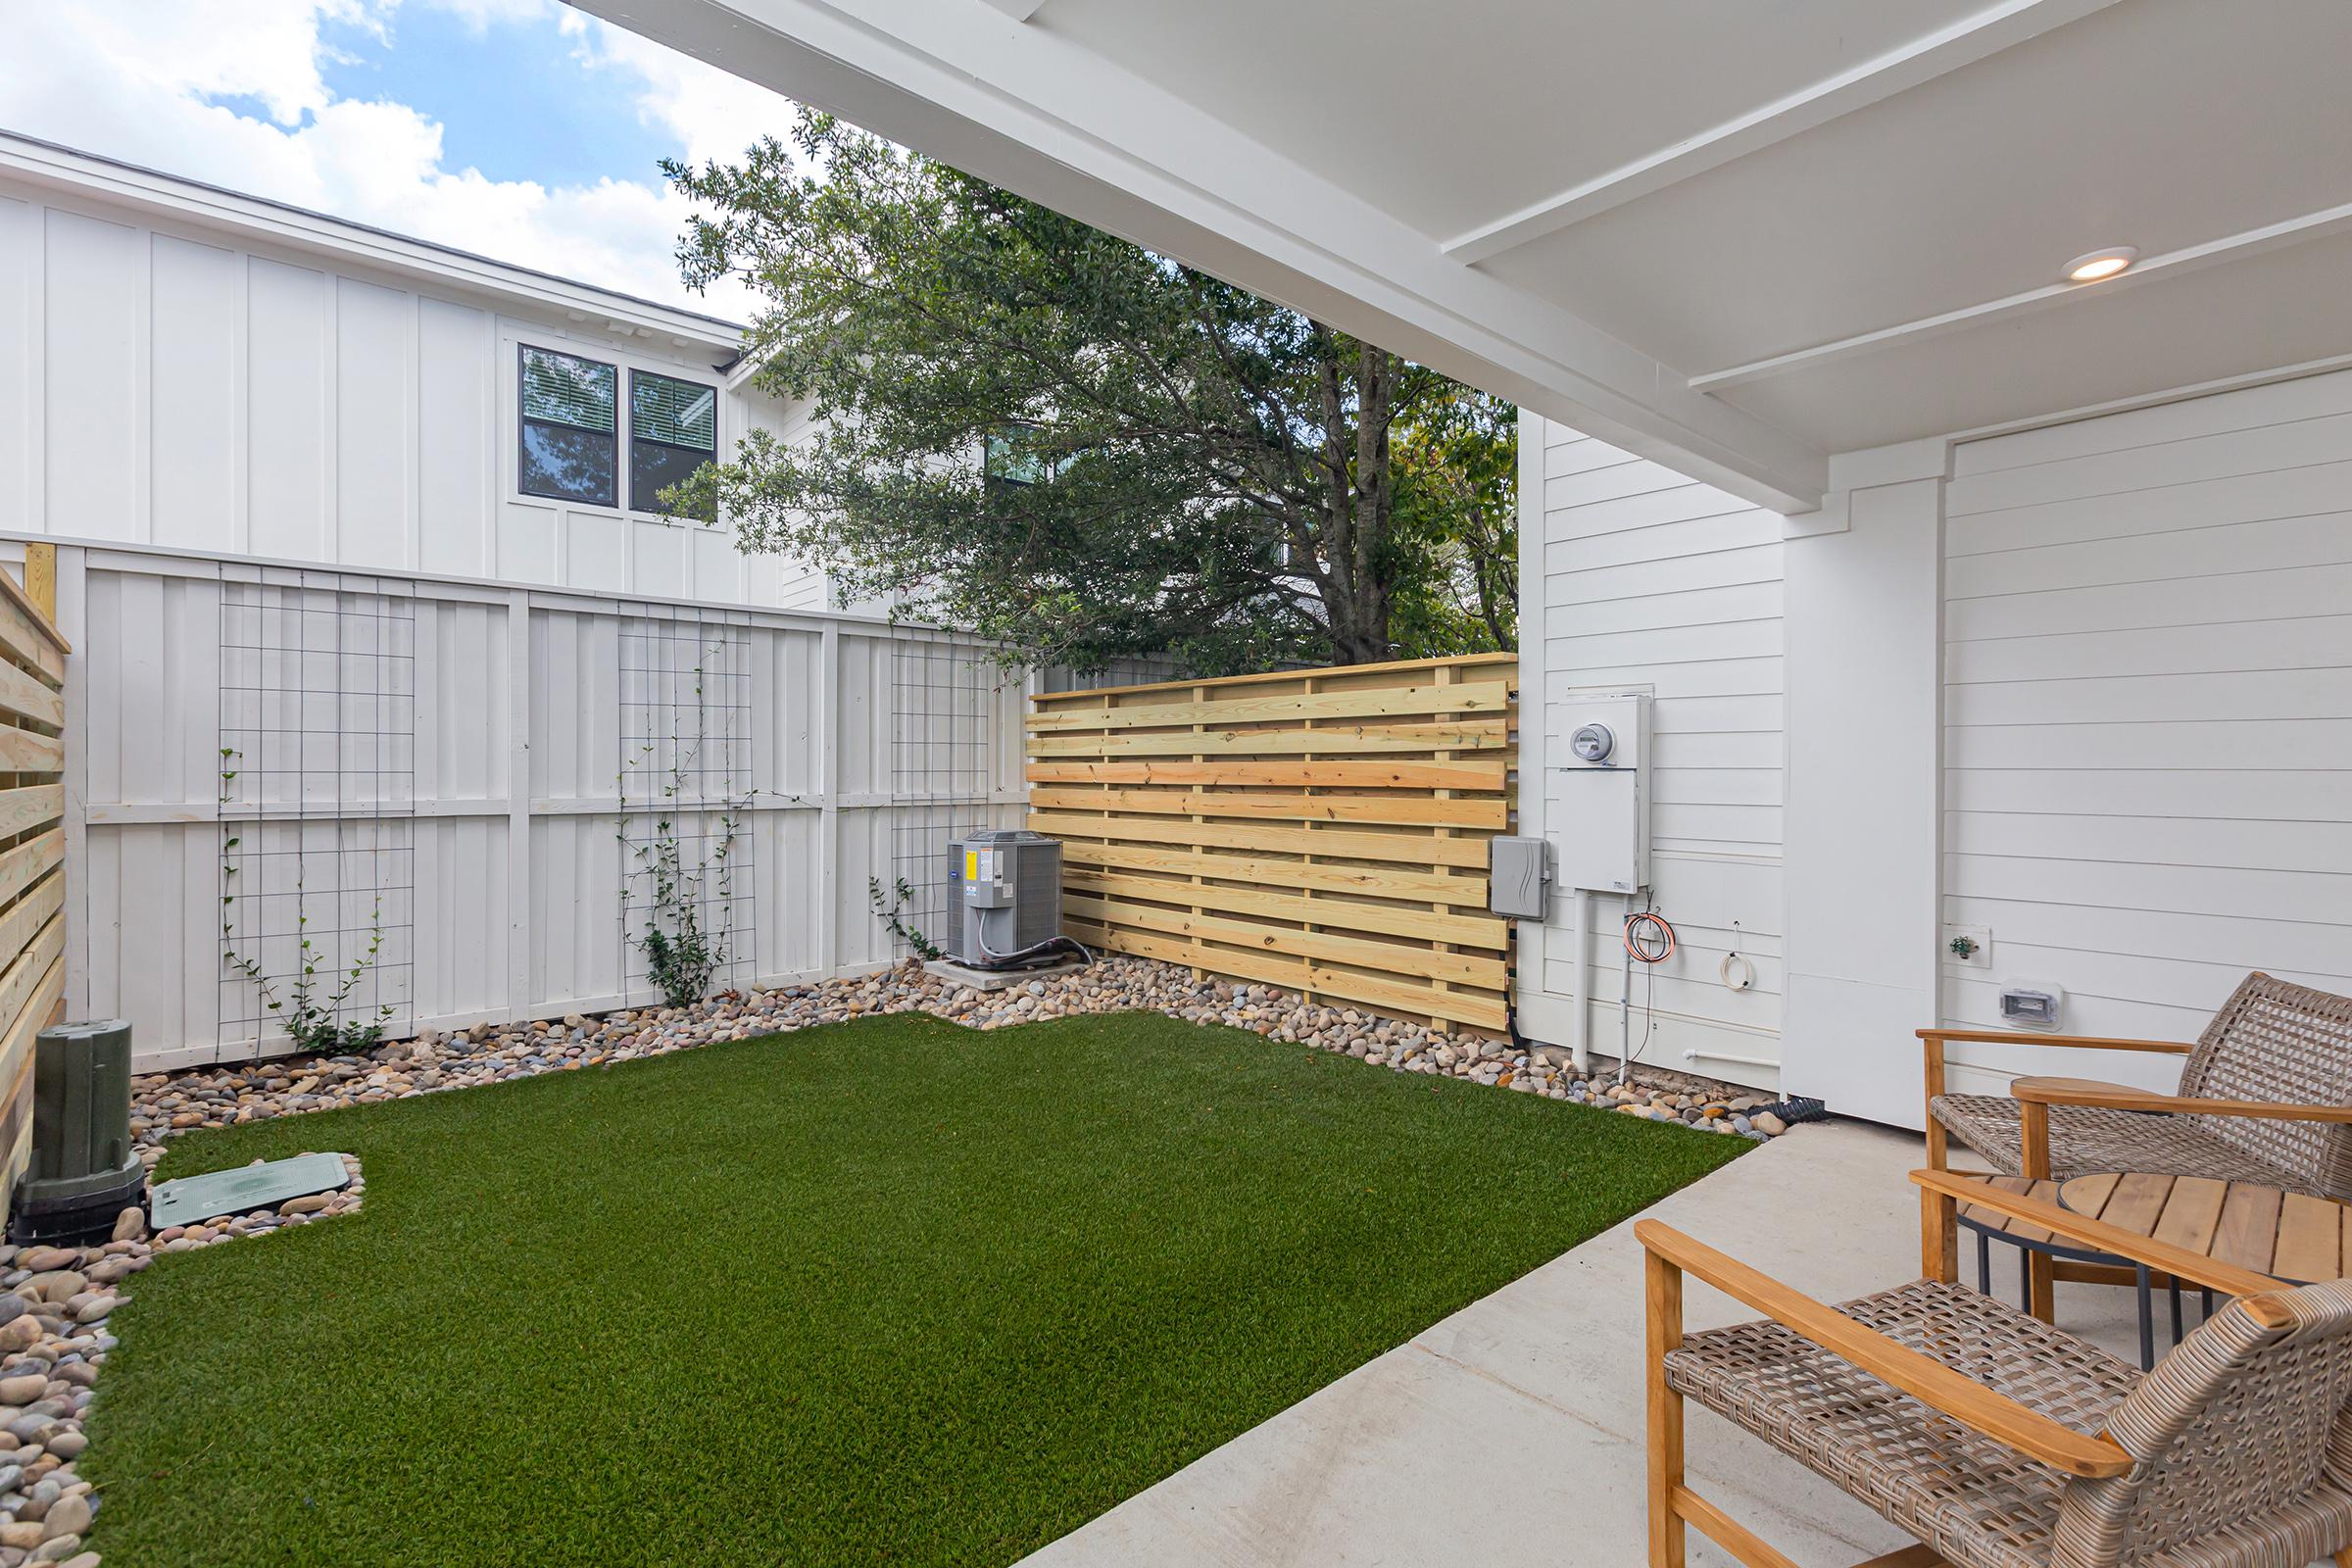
[1667,1256]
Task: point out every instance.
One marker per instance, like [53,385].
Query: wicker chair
[2265,1097]
[1999,1441]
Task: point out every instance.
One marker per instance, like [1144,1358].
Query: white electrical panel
[1601,793]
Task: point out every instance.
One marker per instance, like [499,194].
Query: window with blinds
[571,429]
[673,430]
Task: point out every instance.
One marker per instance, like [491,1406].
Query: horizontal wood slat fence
[1323,830]
[33,854]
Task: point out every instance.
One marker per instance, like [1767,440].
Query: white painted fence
[867,744]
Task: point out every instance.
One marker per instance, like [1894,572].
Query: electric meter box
[1597,792]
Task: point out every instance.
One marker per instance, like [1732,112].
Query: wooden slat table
[2291,1237]
[2288,1236]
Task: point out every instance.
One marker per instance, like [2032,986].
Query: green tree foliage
[1458,525]
[1026,427]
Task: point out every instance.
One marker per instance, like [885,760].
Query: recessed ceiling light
[2096,264]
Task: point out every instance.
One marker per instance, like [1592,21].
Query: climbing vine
[309,1006]
[902,894]
[682,953]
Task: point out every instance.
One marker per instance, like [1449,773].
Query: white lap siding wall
[2148,712]
[1634,579]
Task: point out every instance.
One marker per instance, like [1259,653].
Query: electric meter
[1597,797]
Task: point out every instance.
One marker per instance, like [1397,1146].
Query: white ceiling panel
[1448,114]
[1596,205]
[2132,126]
[2284,308]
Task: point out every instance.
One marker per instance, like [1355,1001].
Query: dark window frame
[650,506]
[1007,445]
[523,422]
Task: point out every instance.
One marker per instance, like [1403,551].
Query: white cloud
[131,80]
[713,114]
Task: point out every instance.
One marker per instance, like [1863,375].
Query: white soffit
[1731,238]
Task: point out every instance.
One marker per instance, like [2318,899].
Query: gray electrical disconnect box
[1515,876]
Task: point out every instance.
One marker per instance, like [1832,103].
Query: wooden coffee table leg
[2041,1294]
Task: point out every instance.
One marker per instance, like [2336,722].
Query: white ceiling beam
[2231,248]
[1017,10]
[1922,60]
[1031,110]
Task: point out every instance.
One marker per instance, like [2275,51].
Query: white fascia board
[1027,109]
[1930,458]
[48,168]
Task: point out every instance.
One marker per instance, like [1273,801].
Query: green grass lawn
[889,1292]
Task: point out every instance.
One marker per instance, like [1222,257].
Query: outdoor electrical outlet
[1971,945]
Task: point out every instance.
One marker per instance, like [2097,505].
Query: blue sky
[511,98]
[521,129]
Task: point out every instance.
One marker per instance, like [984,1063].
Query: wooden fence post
[40,578]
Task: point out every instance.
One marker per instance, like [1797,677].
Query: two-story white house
[383,637]
[192,368]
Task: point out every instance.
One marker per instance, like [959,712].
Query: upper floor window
[571,429]
[673,430]
[1020,456]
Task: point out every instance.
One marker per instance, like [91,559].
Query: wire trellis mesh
[944,751]
[686,789]
[316,804]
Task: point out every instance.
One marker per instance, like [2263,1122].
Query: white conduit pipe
[1625,1006]
[1580,1022]
[1719,1056]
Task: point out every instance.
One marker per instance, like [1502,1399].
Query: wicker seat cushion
[1978,1504]
[2086,1140]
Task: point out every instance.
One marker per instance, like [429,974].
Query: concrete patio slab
[1511,1433]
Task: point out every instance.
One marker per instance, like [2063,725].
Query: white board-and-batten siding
[2148,712]
[203,389]
[515,907]
[1634,579]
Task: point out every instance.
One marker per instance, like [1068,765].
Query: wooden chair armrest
[2010,1037]
[1923,1378]
[2121,1097]
[2162,1256]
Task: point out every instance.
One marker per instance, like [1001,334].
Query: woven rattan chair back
[2246,1434]
[2277,1041]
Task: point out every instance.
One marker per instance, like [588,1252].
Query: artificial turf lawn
[888,1291]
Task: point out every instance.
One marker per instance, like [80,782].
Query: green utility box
[84,1171]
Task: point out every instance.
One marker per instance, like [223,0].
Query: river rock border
[163,1104]
[53,1305]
